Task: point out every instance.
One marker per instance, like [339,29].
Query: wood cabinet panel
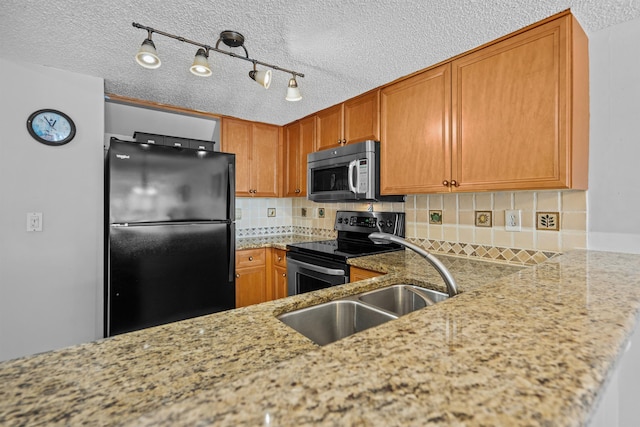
[512,112]
[329,128]
[415,133]
[257,150]
[264,160]
[362,118]
[299,142]
[356,274]
[278,285]
[250,286]
[236,138]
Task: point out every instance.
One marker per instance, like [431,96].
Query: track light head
[262,77]
[293,93]
[200,66]
[147,55]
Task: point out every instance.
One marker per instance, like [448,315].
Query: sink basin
[334,320]
[402,299]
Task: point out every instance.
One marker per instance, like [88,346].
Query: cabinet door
[264,160]
[236,138]
[329,128]
[292,149]
[251,286]
[415,133]
[362,118]
[307,143]
[512,112]
[279,282]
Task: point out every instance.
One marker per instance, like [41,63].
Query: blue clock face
[51,127]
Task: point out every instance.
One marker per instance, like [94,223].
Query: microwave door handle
[352,167]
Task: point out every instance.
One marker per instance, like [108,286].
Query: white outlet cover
[34,221]
[513,220]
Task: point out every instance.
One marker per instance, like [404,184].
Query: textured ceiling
[344,47]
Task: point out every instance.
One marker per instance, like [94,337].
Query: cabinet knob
[237,275]
[250,258]
[339,142]
[297,190]
[445,183]
[284,274]
[279,258]
[454,183]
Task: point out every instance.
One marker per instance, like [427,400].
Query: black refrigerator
[170,234]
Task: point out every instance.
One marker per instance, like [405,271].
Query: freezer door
[163,273]
[150,183]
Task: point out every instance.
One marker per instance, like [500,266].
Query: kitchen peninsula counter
[519,346]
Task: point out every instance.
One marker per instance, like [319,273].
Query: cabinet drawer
[279,257]
[250,257]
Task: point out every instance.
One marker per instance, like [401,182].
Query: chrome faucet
[386,238]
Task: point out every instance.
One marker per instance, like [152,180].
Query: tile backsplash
[453,227]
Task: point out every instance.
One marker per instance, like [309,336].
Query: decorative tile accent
[435,217]
[484,219]
[548,221]
[509,255]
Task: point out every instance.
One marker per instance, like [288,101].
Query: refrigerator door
[162,273]
[151,183]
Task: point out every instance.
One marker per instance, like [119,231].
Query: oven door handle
[317,268]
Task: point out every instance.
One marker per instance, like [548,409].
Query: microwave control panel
[363,175]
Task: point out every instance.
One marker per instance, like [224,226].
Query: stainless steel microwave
[347,173]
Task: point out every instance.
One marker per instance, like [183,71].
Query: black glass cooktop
[341,249]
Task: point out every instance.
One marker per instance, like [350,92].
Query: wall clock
[51,127]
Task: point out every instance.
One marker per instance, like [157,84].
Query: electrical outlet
[34,221]
[271,212]
[513,220]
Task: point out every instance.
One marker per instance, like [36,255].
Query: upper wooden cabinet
[299,139]
[415,151]
[520,111]
[510,116]
[355,120]
[256,146]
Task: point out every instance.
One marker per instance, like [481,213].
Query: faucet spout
[452,288]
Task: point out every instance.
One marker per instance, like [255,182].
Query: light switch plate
[34,221]
[271,212]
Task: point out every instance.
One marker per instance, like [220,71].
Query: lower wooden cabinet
[261,275]
[251,283]
[278,274]
[356,274]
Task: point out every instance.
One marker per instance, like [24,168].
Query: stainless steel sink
[402,299]
[334,320]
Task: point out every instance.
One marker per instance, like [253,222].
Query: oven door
[308,273]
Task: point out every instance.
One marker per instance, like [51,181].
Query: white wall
[614,157]
[50,282]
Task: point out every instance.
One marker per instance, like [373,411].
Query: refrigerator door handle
[232,193]
[232,253]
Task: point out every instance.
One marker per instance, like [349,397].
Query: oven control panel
[368,222]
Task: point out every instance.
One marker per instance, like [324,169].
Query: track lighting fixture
[148,58]
[147,55]
[293,93]
[200,66]
[262,77]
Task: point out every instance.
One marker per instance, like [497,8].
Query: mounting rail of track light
[147,57]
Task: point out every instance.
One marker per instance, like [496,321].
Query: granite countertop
[519,346]
[274,241]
